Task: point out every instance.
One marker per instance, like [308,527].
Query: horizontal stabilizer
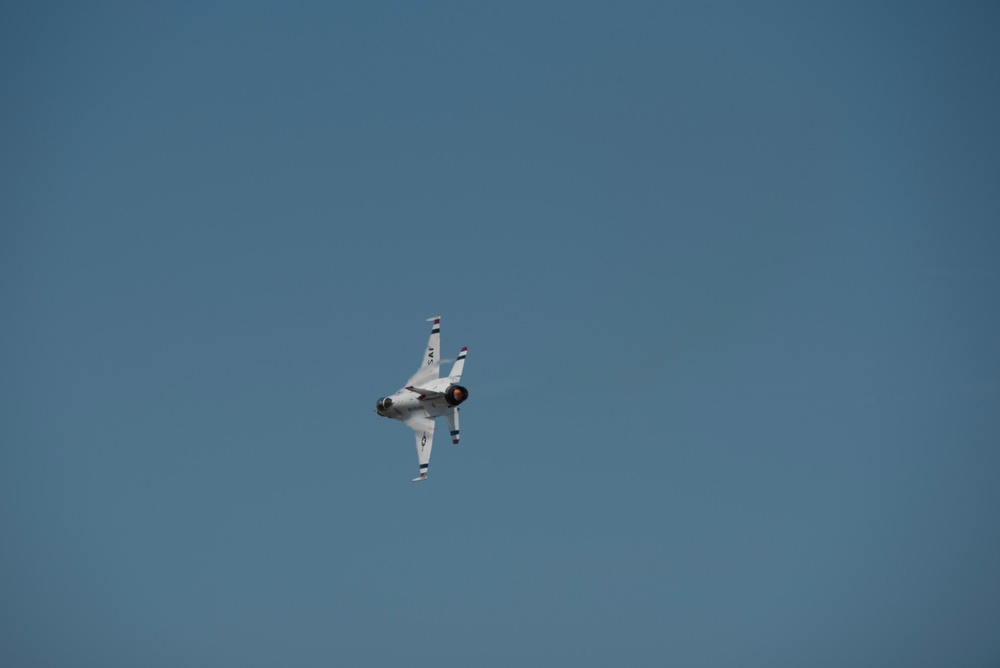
[456,371]
[452,418]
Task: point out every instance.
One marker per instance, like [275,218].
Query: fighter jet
[426,396]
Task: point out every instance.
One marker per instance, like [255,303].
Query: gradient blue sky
[728,274]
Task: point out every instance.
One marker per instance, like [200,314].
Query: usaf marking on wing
[427,396]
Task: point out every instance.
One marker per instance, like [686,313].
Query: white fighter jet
[426,396]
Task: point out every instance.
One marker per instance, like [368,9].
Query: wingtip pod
[436,319]
[424,456]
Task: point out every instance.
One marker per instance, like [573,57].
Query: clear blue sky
[728,274]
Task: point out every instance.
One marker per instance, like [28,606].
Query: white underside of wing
[420,421]
[430,367]
[424,375]
[425,393]
[423,428]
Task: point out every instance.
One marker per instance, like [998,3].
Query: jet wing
[430,369]
[451,415]
[423,428]
[425,394]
